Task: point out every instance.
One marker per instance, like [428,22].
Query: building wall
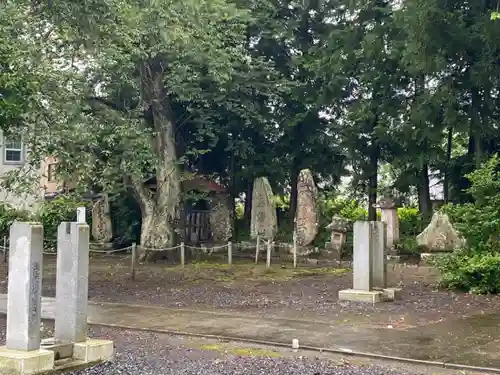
[7,164]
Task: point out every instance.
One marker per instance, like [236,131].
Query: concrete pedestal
[364,296]
[93,351]
[21,362]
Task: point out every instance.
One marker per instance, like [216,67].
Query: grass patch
[241,352]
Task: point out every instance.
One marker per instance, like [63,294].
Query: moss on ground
[240,351]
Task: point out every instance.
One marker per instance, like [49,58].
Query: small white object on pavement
[295,344]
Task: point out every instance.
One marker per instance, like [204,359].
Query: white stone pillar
[389,215]
[72,282]
[81,215]
[24,300]
[378,250]
[362,257]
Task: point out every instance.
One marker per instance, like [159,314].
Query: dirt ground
[306,292]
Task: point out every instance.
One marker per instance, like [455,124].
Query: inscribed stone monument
[220,218]
[263,221]
[306,215]
[440,235]
[102,230]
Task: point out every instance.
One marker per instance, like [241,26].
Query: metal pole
[294,249]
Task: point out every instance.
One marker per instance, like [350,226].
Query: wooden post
[230,255]
[183,255]
[4,249]
[132,262]
[257,250]
[294,249]
[268,257]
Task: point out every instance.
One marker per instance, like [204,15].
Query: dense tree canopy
[123,90]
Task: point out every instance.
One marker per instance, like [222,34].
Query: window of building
[51,172]
[13,150]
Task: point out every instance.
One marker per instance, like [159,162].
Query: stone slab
[92,351]
[24,299]
[20,362]
[361,296]
[362,256]
[392,294]
[72,282]
[378,247]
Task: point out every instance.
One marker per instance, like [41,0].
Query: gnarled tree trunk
[161,211]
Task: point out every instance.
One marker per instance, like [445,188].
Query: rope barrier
[162,249]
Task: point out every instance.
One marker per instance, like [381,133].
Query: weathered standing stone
[72,282]
[24,299]
[440,235]
[264,221]
[220,218]
[306,215]
[102,230]
[389,215]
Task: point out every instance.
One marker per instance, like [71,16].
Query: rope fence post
[4,255]
[294,249]
[230,255]
[132,262]
[257,250]
[183,255]
[268,255]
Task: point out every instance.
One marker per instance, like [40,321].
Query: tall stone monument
[389,215]
[24,353]
[220,218]
[264,222]
[369,265]
[306,214]
[102,229]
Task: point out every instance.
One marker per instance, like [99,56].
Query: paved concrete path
[470,341]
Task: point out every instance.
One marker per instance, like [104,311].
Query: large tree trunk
[373,181]
[446,182]
[424,197]
[293,193]
[161,211]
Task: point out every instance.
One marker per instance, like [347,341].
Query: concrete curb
[348,352]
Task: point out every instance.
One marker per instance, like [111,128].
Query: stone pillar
[389,215]
[362,256]
[378,250]
[72,282]
[24,300]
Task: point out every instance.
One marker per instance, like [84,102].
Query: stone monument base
[55,357]
[364,296]
[20,362]
[375,296]
[93,351]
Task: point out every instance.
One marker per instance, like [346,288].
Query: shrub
[63,208]
[8,215]
[477,267]
[477,273]
[410,221]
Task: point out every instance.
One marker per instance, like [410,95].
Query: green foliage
[477,273]
[477,267]
[62,208]
[410,221]
[8,215]
[479,222]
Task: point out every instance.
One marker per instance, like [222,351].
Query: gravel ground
[158,354]
[309,296]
